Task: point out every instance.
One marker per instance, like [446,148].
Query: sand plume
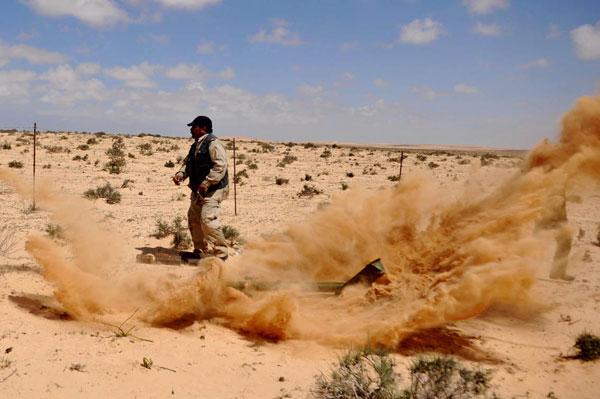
[447,257]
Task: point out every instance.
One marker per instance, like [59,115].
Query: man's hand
[202,189]
[177,179]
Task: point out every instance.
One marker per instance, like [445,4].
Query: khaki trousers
[204,225]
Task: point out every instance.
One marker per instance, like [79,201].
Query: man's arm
[181,175]
[219,157]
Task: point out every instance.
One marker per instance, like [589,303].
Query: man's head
[200,126]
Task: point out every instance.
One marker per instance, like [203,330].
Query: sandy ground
[44,355]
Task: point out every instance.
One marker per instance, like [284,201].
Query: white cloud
[88,68]
[33,55]
[379,82]
[553,31]
[485,6]
[135,76]
[587,41]
[96,13]
[279,34]
[421,31]
[539,63]
[426,92]
[66,87]
[226,74]
[188,4]
[206,48]
[309,90]
[15,84]
[348,76]
[487,29]
[25,36]
[463,88]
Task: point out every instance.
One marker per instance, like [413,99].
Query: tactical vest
[199,165]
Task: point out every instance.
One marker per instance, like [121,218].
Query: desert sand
[59,335]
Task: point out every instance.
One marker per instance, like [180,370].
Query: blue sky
[475,72]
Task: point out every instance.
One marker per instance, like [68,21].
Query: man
[206,168]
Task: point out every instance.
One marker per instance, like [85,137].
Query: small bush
[15,164]
[267,147]
[83,147]
[464,161]
[344,186]
[349,174]
[288,159]
[309,191]
[54,230]
[47,166]
[181,239]
[432,165]
[116,157]
[56,149]
[421,157]
[393,178]
[309,145]
[239,175]
[80,158]
[126,183]
[307,177]
[169,164]
[326,153]
[92,141]
[588,346]
[6,145]
[251,165]
[145,149]
[107,192]
[231,234]
[281,181]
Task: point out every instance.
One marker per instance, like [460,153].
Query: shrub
[432,165]
[588,346]
[421,157]
[8,241]
[239,175]
[54,230]
[80,158]
[107,192]
[6,145]
[288,159]
[116,157]
[349,174]
[267,147]
[15,164]
[326,153]
[309,145]
[280,181]
[47,166]
[251,165]
[344,186]
[91,141]
[126,183]
[231,234]
[83,147]
[393,178]
[370,374]
[307,177]
[145,149]
[464,161]
[360,374]
[56,149]
[169,164]
[181,239]
[309,191]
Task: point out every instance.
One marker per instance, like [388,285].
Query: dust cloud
[448,257]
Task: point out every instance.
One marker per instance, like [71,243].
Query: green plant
[56,149]
[360,374]
[54,230]
[445,378]
[309,145]
[83,147]
[326,153]
[588,346]
[239,175]
[288,159]
[116,157]
[309,191]
[169,164]
[421,157]
[91,141]
[181,239]
[107,192]
[266,147]
[6,145]
[15,164]
[231,234]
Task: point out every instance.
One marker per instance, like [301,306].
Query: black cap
[202,121]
